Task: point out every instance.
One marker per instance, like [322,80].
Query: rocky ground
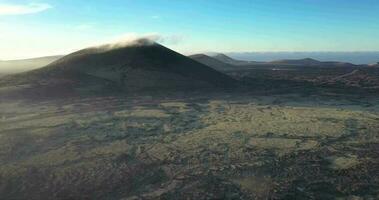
[225,146]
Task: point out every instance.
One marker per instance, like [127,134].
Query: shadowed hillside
[359,78]
[212,62]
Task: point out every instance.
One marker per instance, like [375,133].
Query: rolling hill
[142,66]
[17,66]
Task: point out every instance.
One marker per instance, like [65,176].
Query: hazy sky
[30,28]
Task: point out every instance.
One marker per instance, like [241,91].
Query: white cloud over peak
[19,9]
[147,38]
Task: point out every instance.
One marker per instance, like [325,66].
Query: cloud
[172,39]
[18,9]
[129,39]
[153,37]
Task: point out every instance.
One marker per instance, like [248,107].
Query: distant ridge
[311,63]
[17,66]
[305,61]
[357,57]
[233,64]
[226,59]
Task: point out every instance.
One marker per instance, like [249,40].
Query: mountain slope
[142,66]
[212,62]
[17,66]
[226,59]
[359,78]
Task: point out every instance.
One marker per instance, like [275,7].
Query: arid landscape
[246,147]
[189,100]
[280,130]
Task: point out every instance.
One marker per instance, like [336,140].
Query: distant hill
[306,61]
[138,67]
[310,62]
[374,65]
[17,66]
[357,57]
[212,62]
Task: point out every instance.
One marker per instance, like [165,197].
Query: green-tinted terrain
[225,146]
[144,122]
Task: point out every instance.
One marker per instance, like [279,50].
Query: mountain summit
[138,66]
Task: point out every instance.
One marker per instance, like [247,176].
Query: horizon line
[207,52]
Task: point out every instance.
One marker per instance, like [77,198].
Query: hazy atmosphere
[189,99]
[55,27]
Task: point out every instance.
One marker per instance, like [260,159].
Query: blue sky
[31,28]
